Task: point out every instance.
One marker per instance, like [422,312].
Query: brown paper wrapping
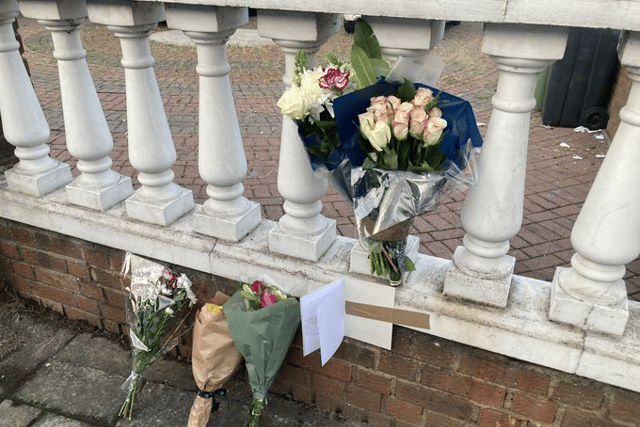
[214,359]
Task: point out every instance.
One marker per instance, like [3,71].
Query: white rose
[380,135]
[292,103]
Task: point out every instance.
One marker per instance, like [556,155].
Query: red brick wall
[422,381]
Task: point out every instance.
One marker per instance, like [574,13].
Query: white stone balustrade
[23,121]
[87,133]
[492,214]
[302,232]
[302,250]
[221,158]
[159,200]
[606,236]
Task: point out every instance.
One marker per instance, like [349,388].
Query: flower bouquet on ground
[399,148]
[263,321]
[214,359]
[158,314]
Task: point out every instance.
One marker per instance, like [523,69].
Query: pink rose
[268,298]
[393,102]
[257,287]
[382,112]
[419,119]
[378,100]
[401,121]
[423,97]
[435,112]
[400,130]
[402,112]
[433,130]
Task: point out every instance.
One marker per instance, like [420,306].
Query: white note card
[322,314]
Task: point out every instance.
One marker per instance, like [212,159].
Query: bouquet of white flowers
[158,309]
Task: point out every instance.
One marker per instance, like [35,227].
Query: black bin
[579,86]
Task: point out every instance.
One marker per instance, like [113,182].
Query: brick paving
[561,164]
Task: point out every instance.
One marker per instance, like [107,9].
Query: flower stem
[126,410]
[255,412]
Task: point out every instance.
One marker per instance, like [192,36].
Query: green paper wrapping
[263,337]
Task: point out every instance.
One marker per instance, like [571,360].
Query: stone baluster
[221,158]
[87,132]
[159,200]
[302,232]
[24,123]
[492,214]
[606,236]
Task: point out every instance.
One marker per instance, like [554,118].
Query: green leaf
[408,264]
[368,164]
[364,38]
[249,296]
[363,67]
[407,91]
[333,60]
[435,157]
[391,160]
[380,67]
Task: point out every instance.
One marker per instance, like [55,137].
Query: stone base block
[491,290]
[100,199]
[231,228]
[39,184]
[160,213]
[587,315]
[359,258]
[309,247]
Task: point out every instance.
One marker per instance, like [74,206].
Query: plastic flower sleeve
[158,313]
[263,338]
[383,199]
[214,359]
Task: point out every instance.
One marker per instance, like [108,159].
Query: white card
[322,314]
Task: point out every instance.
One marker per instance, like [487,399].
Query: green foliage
[364,38]
[366,56]
[327,131]
[407,91]
[299,66]
[383,260]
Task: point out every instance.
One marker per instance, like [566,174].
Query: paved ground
[57,373]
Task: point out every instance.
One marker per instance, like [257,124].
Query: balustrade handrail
[617,14]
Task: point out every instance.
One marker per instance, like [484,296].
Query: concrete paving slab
[97,353]
[171,373]
[38,342]
[158,404]
[77,391]
[14,414]
[52,420]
